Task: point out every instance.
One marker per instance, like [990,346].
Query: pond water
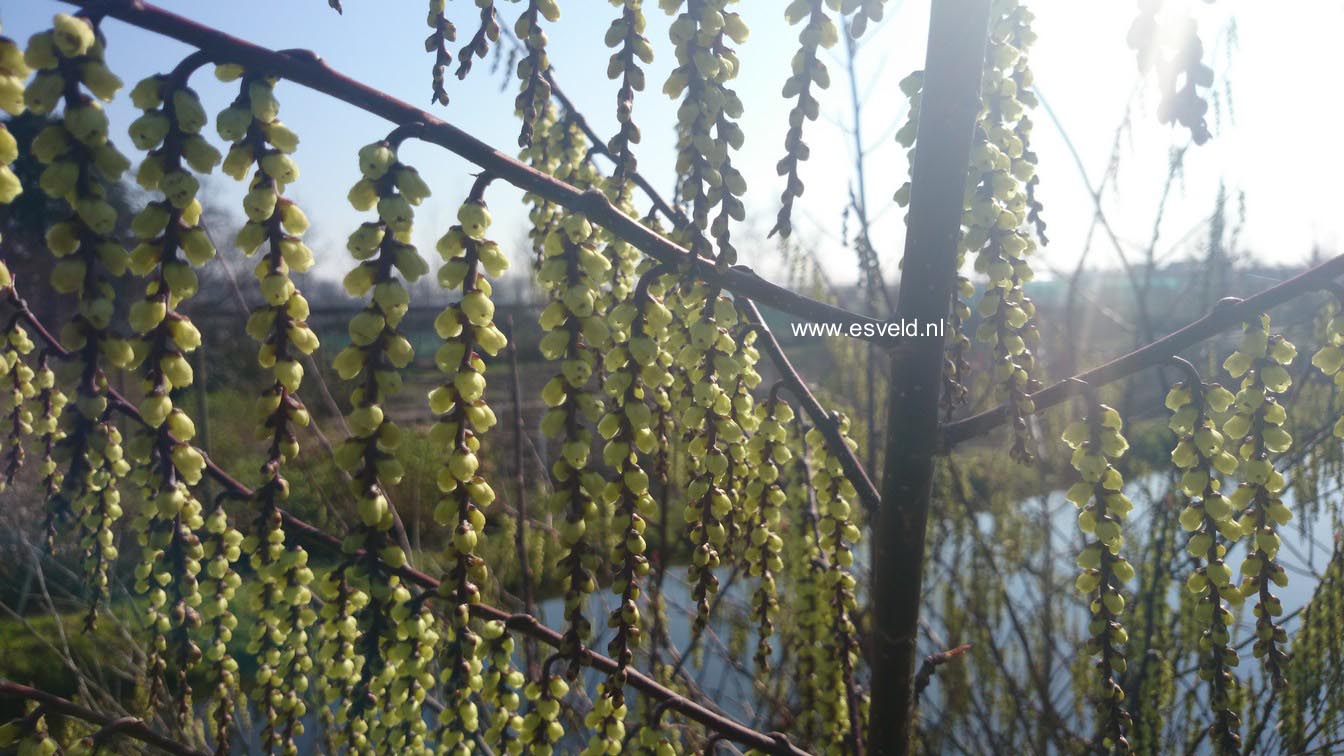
[1306,550]
[725,674]
[1307,545]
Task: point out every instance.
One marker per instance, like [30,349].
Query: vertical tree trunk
[958,31]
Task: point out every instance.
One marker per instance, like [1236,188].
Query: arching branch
[319,540]
[306,68]
[309,70]
[129,727]
[825,421]
[1228,313]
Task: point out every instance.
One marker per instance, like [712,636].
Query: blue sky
[1274,148]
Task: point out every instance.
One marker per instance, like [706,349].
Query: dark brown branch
[1228,313]
[823,420]
[958,30]
[526,624]
[425,126]
[128,726]
[599,147]
[531,627]
[306,68]
[933,662]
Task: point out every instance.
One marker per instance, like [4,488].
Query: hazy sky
[1269,141]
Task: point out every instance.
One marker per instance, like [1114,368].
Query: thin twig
[128,726]
[854,469]
[823,420]
[1226,314]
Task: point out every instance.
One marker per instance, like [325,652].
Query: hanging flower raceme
[542,729]
[535,91]
[81,163]
[10,187]
[1096,442]
[1318,648]
[708,366]
[221,548]
[502,688]
[820,32]
[626,36]
[764,497]
[17,390]
[51,403]
[407,678]
[24,384]
[836,497]
[620,280]
[659,467]
[744,415]
[394,659]
[283,603]
[545,156]
[806,637]
[575,335]
[1022,37]
[30,736]
[467,329]
[437,43]
[170,242]
[654,738]
[1329,359]
[285,613]
[864,13]
[568,145]
[166,577]
[335,640]
[487,31]
[560,150]
[707,129]
[633,369]
[606,720]
[1177,55]
[14,70]
[956,365]
[1208,516]
[459,722]
[1256,429]
[994,217]
[912,87]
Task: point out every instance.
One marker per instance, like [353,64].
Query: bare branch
[308,69]
[933,662]
[1228,313]
[127,726]
[824,421]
